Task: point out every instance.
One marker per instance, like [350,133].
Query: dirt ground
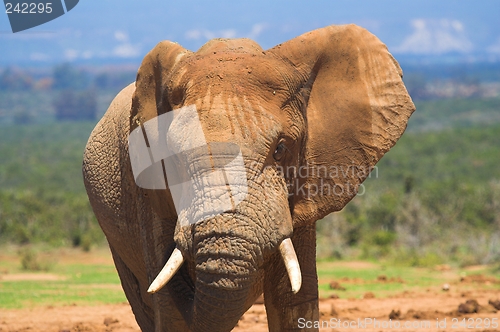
[423,310]
[429,309]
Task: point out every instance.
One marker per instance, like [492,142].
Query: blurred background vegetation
[434,199]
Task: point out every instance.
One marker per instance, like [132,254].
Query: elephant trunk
[226,263]
[231,220]
[223,288]
[233,289]
[216,308]
[225,282]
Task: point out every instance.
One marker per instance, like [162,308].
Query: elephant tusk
[291,264]
[171,267]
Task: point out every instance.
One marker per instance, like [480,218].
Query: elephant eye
[280,151]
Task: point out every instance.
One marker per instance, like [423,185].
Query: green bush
[436,194]
[436,199]
[31,261]
[42,197]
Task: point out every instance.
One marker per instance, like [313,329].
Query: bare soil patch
[414,307]
[31,277]
[104,318]
[424,309]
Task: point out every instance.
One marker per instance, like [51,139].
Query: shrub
[31,261]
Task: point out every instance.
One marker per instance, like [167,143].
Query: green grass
[75,290]
[361,280]
[366,279]
[97,282]
[75,283]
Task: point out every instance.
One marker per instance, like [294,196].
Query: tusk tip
[152,289]
[171,267]
[296,288]
[291,264]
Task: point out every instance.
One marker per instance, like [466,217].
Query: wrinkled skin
[330,98]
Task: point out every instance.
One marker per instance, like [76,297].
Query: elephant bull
[208,174]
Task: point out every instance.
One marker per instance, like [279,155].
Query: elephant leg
[161,316]
[282,306]
[144,315]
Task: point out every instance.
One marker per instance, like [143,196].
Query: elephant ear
[149,99]
[358,108]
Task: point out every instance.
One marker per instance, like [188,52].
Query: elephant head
[248,145]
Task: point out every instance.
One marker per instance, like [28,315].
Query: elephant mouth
[176,260]
[200,297]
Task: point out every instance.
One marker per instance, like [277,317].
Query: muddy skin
[310,117]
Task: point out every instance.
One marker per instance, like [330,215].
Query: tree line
[74,91]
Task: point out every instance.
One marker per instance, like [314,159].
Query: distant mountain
[117,31]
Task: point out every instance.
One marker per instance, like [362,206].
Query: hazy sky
[118,29]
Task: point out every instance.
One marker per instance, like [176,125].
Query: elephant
[208,174]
